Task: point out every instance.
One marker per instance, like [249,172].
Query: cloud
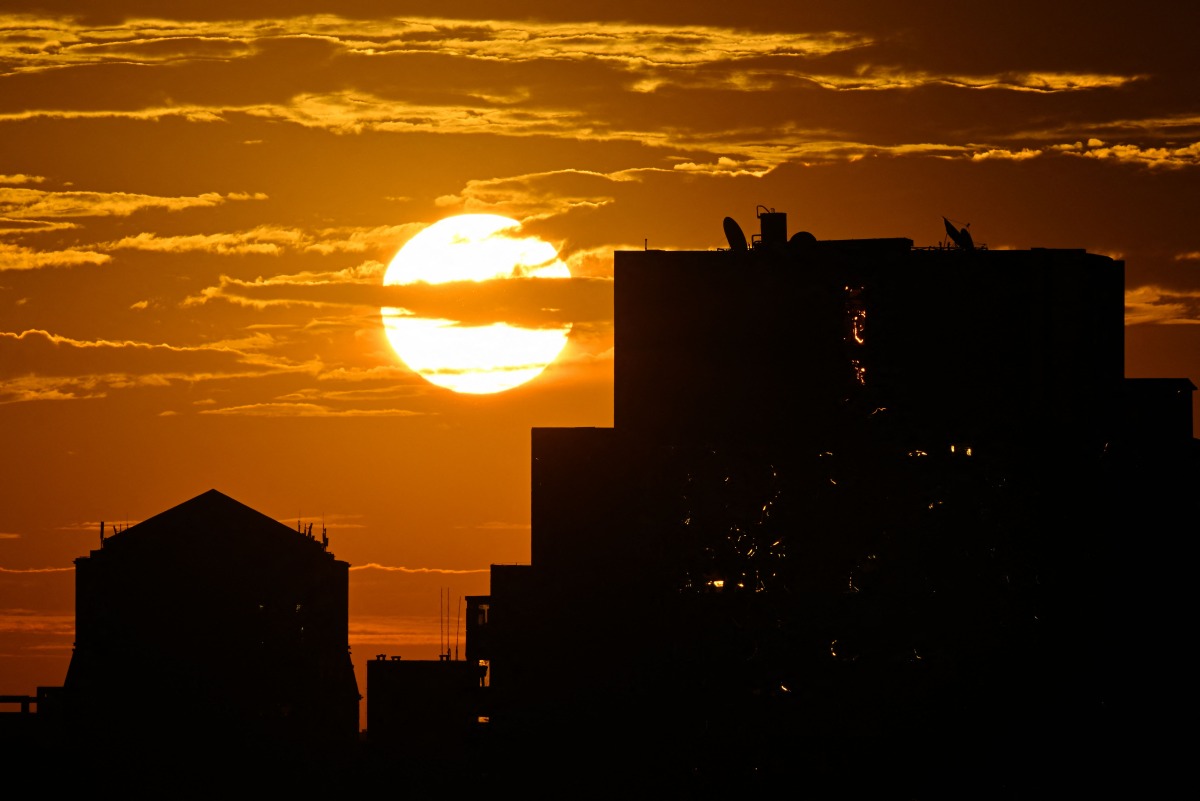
[19,257]
[525,302]
[279,409]
[723,166]
[711,96]
[1024,154]
[21,178]
[38,43]
[39,365]
[1161,306]
[313,289]
[394,630]
[26,621]
[21,203]
[36,569]
[252,342]
[1161,157]
[270,240]
[398,569]
[499,526]
[391,391]
[879,78]
[340,521]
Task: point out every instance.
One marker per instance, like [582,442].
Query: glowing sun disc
[476,359]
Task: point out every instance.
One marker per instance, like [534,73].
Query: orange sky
[196,213]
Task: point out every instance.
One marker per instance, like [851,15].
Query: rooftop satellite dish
[961,236]
[801,239]
[734,235]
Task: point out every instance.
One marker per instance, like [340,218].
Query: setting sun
[475,359]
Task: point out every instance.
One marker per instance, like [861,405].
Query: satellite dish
[801,239]
[961,236]
[734,235]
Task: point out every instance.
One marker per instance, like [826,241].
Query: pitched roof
[211,517]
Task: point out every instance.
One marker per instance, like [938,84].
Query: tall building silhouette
[862,513]
[211,625]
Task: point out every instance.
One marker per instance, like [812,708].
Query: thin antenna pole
[457,628]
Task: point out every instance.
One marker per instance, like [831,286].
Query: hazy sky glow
[197,211]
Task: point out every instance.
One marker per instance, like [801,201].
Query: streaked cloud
[395,630]
[279,409]
[529,302]
[19,257]
[401,569]
[28,621]
[1002,154]
[1166,157]
[499,526]
[252,342]
[34,569]
[879,78]
[40,365]
[1161,306]
[269,240]
[20,203]
[36,43]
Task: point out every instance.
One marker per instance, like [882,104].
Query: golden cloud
[399,569]
[21,178]
[23,203]
[65,371]
[277,409]
[33,43]
[1002,154]
[1165,157]
[19,257]
[1161,306]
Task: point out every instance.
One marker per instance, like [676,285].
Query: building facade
[858,504]
[211,624]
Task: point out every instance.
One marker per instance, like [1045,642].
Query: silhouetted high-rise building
[863,503]
[211,624]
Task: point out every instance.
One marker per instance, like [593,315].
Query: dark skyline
[906,572]
[199,206]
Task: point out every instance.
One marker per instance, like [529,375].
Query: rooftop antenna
[961,236]
[443,599]
[457,619]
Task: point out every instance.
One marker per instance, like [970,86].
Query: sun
[475,359]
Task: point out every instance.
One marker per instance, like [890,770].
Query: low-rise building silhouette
[423,709]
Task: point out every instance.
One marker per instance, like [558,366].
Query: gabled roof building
[211,623]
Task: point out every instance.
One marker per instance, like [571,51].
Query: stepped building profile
[865,509]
